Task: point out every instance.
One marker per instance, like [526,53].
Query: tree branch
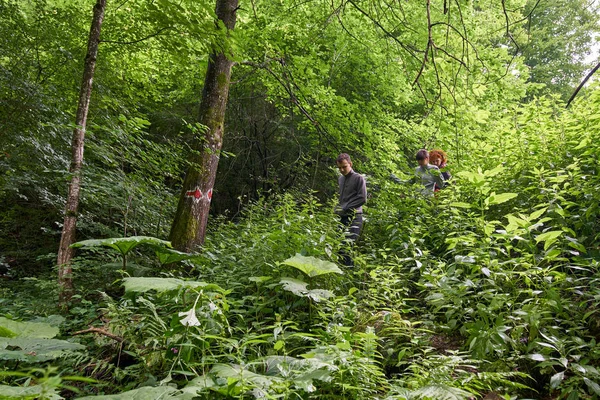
[101,332]
[429,43]
[404,46]
[592,72]
[294,99]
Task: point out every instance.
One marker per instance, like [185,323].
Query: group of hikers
[431,173]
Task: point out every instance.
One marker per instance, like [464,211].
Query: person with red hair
[439,158]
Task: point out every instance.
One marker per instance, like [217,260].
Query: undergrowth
[487,289]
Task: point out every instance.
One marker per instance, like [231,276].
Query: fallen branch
[101,332]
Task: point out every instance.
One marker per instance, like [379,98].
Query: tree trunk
[65,252]
[189,226]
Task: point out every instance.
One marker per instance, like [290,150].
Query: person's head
[422,157]
[344,164]
[438,158]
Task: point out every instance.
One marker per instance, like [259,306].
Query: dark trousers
[352,225]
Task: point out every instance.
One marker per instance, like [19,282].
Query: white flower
[190,318]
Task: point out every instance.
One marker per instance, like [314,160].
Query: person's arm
[409,181]
[439,179]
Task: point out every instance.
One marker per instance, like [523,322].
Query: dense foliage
[487,290]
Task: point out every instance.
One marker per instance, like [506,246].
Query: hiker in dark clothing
[353,194]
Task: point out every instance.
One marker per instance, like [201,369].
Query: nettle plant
[478,189]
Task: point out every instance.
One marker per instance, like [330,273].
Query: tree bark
[189,226]
[65,252]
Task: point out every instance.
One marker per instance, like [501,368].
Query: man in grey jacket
[353,194]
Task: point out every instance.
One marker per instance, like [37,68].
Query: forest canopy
[488,288]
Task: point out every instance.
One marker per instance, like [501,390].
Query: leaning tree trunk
[65,252]
[189,226]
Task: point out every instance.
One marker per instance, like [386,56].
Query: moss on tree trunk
[189,226]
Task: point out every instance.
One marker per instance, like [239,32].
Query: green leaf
[198,384]
[167,255]
[143,393]
[299,288]
[141,284]
[592,385]
[28,392]
[239,372]
[123,245]
[548,237]
[495,171]
[343,346]
[460,205]
[584,143]
[10,328]
[556,379]
[6,332]
[499,198]
[536,214]
[312,266]
[537,357]
[259,279]
[35,349]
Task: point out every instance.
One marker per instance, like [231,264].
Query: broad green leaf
[460,205]
[495,171]
[123,245]
[10,328]
[299,288]
[552,254]
[259,279]
[544,237]
[33,392]
[167,255]
[556,379]
[319,294]
[4,332]
[143,393]
[296,286]
[499,198]
[548,238]
[592,385]
[237,371]
[536,214]
[584,143]
[343,345]
[464,259]
[476,178]
[35,349]
[198,384]
[537,357]
[312,266]
[141,284]
[579,368]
